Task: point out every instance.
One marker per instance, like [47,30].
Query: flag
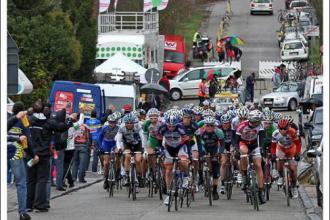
[115,4]
[104,5]
[162,5]
[147,5]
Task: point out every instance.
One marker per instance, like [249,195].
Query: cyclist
[190,128]
[242,115]
[198,116]
[173,136]
[249,137]
[130,138]
[226,148]
[285,143]
[212,138]
[108,144]
[150,129]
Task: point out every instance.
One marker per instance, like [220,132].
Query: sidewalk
[307,195]
[91,179]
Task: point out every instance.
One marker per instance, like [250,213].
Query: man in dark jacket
[42,129]
[250,85]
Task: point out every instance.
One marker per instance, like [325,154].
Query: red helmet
[127,107]
[283,123]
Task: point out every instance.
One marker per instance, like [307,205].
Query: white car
[294,50]
[261,6]
[299,4]
[185,84]
[294,36]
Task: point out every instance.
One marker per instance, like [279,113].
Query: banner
[162,5]
[115,4]
[104,5]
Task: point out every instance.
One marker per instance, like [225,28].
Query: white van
[314,85]
[118,95]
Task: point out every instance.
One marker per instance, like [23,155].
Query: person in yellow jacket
[202,91]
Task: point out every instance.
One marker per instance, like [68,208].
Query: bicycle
[112,174]
[188,193]
[252,187]
[267,174]
[132,177]
[229,176]
[287,188]
[156,180]
[175,185]
[207,178]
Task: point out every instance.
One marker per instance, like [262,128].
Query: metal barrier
[128,21]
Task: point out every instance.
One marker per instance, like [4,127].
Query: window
[262,1]
[173,57]
[293,87]
[293,46]
[118,102]
[318,116]
[194,75]
[225,71]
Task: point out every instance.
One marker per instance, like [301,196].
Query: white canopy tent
[118,63]
[24,84]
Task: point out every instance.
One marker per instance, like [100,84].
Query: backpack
[82,135]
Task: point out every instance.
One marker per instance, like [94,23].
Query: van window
[194,75]
[63,100]
[173,57]
[118,102]
[293,46]
[86,104]
[262,1]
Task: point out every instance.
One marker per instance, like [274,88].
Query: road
[93,202]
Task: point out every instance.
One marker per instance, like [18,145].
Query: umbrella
[309,103]
[233,39]
[153,88]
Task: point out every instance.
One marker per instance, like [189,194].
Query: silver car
[287,95]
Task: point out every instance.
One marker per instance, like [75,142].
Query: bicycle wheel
[254,191]
[182,193]
[287,186]
[150,186]
[159,180]
[267,180]
[209,189]
[189,196]
[133,185]
[176,202]
[229,183]
[111,178]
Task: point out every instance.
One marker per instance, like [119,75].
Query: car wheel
[175,94]
[251,13]
[292,105]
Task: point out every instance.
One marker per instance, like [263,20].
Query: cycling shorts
[254,149]
[171,152]
[192,148]
[282,153]
[133,147]
[107,146]
[225,149]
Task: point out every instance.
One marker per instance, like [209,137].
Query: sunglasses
[129,123]
[209,125]
[284,129]
[171,126]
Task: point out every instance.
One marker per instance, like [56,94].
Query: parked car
[316,154]
[294,36]
[287,95]
[286,30]
[314,128]
[299,4]
[261,6]
[185,84]
[294,50]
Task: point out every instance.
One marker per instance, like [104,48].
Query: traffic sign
[313,31]
[153,75]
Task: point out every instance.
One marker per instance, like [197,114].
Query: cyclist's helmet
[268,117]
[225,118]
[130,118]
[243,112]
[176,107]
[208,112]
[289,118]
[142,112]
[136,113]
[218,115]
[283,123]
[255,116]
[209,120]
[153,111]
[197,110]
[112,117]
[117,115]
[277,116]
[190,106]
[172,119]
[187,112]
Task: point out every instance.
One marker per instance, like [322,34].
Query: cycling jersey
[247,133]
[268,134]
[234,123]
[94,127]
[150,131]
[173,139]
[210,141]
[288,143]
[131,139]
[107,138]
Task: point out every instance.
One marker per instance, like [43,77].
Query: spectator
[60,145]
[41,129]
[69,152]
[237,53]
[276,80]
[81,143]
[221,50]
[17,143]
[202,91]
[94,126]
[250,80]
[213,86]
[165,82]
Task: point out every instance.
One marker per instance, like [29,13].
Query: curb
[308,205]
[68,191]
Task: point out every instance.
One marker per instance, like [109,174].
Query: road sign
[313,31]
[152,75]
[12,66]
